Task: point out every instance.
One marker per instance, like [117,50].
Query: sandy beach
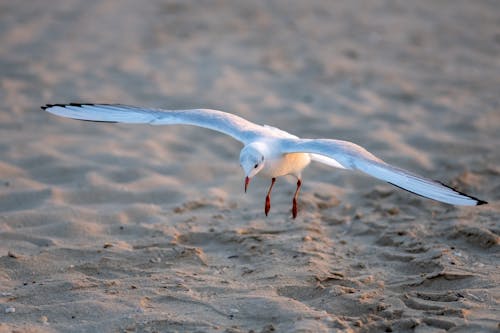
[137,228]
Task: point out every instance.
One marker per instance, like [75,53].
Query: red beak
[247,181]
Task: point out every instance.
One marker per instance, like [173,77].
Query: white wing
[315,157]
[232,125]
[352,156]
[327,160]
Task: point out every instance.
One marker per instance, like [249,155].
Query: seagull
[269,151]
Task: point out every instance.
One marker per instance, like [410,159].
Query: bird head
[251,161]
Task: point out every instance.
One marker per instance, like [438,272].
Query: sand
[123,228]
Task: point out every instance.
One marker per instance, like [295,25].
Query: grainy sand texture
[135,228]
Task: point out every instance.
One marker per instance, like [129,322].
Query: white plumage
[269,151]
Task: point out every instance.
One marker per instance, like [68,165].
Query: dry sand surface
[131,228]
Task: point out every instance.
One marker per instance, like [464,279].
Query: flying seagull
[269,151]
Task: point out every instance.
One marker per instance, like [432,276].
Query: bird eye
[255,166]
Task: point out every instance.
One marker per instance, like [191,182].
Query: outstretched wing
[230,124]
[352,156]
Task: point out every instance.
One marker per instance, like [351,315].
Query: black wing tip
[48,106]
[479,202]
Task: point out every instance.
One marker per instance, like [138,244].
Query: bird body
[271,152]
[280,164]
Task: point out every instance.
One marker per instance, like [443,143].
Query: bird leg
[295,196]
[268,197]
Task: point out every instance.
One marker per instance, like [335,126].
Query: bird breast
[285,164]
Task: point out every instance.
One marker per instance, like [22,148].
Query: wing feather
[352,156]
[230,124]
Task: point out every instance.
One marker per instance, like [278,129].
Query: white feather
[285,153]
[352,156]
[232,125]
